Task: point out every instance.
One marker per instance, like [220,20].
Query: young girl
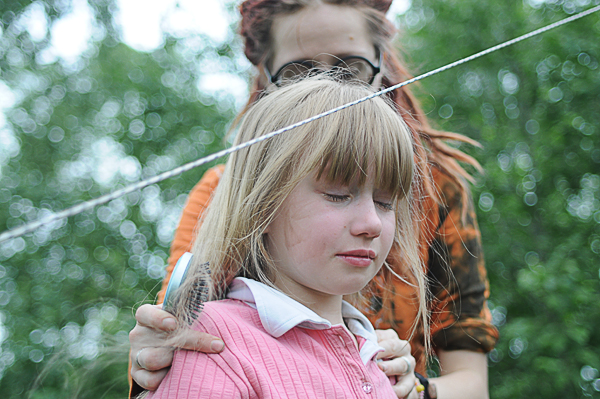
[298,222]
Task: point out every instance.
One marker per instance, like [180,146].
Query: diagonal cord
[84,206]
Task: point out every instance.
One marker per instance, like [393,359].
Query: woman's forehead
[321,32]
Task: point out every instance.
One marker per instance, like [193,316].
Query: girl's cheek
[390,227]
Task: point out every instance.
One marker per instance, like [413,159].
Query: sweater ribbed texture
[302,363]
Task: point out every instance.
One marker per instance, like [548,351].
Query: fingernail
[382,366]
[217,345]
[170,323]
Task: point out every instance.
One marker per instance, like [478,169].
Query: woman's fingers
[406,388]
[199,342]
[149,365]
[406,385]
[154,325]
[152,344]
[393,346]
[153,316]
[383,335]
[399,366]
[148,379]
[398,362]
[152,358]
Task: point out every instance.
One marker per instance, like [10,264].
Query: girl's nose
[366,219]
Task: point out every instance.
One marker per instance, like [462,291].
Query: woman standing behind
[285,38]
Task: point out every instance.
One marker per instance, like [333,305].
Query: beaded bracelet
[420,390]
[424,388]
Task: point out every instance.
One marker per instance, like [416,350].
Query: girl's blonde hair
[340,148]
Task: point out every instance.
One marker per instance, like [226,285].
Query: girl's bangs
[370,142]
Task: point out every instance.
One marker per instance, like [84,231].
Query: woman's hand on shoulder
[150,354]
[397,362]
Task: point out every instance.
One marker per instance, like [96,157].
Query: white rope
[29,227]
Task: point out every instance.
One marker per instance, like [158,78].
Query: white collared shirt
[279,313]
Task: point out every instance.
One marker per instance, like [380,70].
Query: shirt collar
[279,313]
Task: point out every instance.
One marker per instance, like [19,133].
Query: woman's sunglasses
[347,68]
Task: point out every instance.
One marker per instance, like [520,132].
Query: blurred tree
[535,108]
[72,131]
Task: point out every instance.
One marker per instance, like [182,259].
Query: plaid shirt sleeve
[460,317]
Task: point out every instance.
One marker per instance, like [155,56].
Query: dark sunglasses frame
[275,79]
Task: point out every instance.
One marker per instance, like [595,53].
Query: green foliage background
[75,131]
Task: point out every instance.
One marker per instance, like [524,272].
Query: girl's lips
[358,257]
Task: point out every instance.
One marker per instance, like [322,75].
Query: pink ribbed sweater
[301,363]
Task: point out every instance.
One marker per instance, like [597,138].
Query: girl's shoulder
[223,316]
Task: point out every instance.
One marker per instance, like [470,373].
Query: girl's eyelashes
[385,200]
[336,197]
[386,206]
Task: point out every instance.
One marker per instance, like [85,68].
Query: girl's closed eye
[384,200]
[336,197]
[385,205]
[333,191]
